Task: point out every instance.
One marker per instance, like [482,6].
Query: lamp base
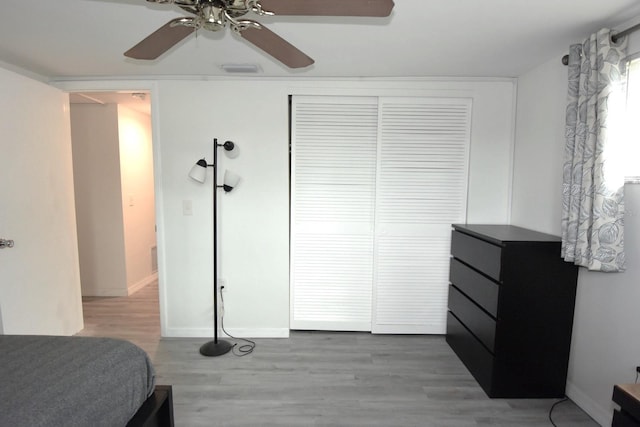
[215,348]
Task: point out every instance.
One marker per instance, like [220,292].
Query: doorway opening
[115,212]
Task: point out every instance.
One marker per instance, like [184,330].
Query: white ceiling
[70,39]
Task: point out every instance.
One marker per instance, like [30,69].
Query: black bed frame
[156,411]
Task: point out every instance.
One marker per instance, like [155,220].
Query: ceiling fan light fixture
[241,68]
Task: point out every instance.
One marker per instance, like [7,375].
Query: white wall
[537,181]
[40,281]
[96,164]
[113,173]
[254,218]
[137,193]
[605,348]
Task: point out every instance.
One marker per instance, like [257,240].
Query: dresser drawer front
[621,419]
[480,289]
[479,254]
[473,354]
[473,317]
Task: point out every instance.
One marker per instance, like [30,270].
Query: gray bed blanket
[71,381]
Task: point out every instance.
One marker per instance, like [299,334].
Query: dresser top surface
[500,234]
[633,390]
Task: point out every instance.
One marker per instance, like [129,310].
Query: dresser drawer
[473,354]
[479,254]
[621,419]
[473,317]
[479,288]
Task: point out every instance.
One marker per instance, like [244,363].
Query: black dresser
[511,302]
[628,397]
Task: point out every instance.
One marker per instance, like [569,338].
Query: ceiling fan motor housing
[212,18]
[214,15]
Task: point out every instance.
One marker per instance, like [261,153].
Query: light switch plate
[187,208]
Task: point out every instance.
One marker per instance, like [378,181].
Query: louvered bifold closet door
[332,211]
[423,153]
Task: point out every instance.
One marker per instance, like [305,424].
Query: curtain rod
[614,38]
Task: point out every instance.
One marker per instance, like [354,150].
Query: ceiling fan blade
[276,46]
[160,41]
[178,2]
[376,8]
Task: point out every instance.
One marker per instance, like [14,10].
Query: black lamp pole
[217,347]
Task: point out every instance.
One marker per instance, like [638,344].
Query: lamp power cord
[564,399]
[236,349]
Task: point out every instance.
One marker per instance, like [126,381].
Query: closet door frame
[377,233]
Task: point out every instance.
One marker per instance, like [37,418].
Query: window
[622,151]
[631,157]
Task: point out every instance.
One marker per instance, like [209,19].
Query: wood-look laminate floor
[318,378]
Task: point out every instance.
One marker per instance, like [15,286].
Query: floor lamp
[198,172]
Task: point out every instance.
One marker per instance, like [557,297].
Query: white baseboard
[142,283]
[188,333]
[258,333]
[236,332]
[110,292]
[602,416]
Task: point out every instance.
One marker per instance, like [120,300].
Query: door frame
[152,88]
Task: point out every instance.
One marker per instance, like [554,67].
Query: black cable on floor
[564,399]
[237,350]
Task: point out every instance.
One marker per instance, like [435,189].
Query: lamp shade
[230,181]
[199,171]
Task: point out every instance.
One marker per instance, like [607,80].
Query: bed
[79,381]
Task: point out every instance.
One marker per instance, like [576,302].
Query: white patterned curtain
[593,203]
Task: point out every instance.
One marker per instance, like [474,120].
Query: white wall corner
[142,283]
[602,416]
[24,72]
[512,154]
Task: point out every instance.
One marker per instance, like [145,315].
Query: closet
[376,183]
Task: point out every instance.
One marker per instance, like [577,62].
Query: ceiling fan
[215,15]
